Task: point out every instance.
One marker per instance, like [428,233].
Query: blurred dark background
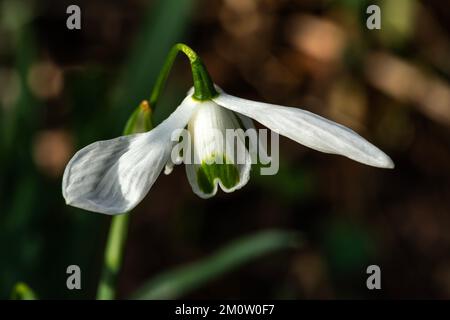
[62,89]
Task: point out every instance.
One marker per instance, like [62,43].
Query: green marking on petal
[227,173]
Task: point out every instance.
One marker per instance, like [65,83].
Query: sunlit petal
[113,176]
[309,129]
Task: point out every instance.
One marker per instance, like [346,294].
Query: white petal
[218,159]
[309,129]
[258,151]
[113,176]
[169,167]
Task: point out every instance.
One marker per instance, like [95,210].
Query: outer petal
[309,129]
[113,176]
[218,159]
[258,151]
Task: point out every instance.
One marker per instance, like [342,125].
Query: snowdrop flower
[113,176]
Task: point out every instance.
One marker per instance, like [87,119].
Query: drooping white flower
[113,176]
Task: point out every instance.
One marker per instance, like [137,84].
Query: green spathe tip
[140,120]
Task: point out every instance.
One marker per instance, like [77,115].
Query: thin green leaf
[22,291]
[181,280]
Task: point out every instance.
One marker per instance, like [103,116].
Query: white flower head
[113,176]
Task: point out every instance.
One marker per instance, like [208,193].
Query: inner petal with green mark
[208,174]
[218,158]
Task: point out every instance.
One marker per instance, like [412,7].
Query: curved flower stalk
[113,176]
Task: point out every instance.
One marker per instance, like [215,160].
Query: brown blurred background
[61,90]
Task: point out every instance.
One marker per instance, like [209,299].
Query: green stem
[113,257]
[203,85]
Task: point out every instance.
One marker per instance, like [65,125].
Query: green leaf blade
[179,281]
